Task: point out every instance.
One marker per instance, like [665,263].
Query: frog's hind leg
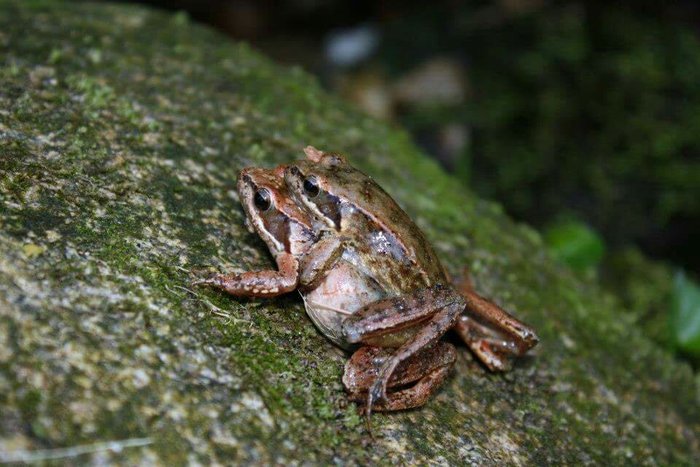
[411,384]
[493,334]
[410,322]
[393,321]
[493,349]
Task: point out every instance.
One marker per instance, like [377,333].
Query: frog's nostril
[294,170]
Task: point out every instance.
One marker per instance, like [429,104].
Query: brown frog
[369,279]
[310,260]
[418,304]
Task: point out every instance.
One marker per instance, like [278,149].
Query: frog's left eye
[262,200]
[311,187]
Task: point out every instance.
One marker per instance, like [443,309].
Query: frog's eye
[311,187]
[262,200]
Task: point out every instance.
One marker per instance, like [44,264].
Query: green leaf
[685,315]
[575,244]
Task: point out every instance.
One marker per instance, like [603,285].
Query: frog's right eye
[262,200]
[311,187]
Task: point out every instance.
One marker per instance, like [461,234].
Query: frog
[419,303]
[309,260]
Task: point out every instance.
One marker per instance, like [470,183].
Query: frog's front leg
[319,260]
[422,373]
[259,283]
[419,319]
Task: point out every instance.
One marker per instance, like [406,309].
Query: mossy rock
[122,131]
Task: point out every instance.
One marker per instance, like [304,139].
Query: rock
[121,134]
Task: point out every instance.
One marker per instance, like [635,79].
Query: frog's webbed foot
[492,333]
[412,383]
[493,350]
[258,283]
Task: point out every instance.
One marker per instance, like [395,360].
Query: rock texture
[121,134]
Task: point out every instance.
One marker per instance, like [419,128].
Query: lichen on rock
[122,131]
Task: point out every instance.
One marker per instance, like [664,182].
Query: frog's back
[385,236]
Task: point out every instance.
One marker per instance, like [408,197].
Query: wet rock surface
[122,131]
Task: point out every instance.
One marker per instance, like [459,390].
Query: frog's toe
[200,282]
[377,393]
[216,281]
[374,395]
[203,282]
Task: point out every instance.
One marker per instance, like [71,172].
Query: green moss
[645,289]
[121,167]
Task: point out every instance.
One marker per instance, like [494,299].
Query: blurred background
[582,118]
